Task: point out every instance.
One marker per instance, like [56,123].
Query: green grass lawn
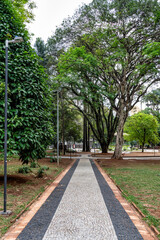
[140,181]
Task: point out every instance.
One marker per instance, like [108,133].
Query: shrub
[41,171]
[34,164]
[53,159]
[45,168]
[24,170]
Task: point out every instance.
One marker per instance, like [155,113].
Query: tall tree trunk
[84,134]
[143,147]
[144,137]
[119,139]
[104,147]
[88,138]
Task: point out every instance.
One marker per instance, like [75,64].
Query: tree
[152,100]
[78,74]
[29,119]
[40,48]
[72,125]
[142,128]
[70,121]
[86,129]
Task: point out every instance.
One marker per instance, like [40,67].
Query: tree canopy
[24,9]
[152,100]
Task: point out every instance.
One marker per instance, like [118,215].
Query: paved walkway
[77,216]
[82,206]
[124,157]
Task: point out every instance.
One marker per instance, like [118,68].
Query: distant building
[134,110]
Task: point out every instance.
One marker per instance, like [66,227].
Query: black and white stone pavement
[82,206]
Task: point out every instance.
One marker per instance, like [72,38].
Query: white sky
[49,14]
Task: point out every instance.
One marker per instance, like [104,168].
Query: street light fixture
[15,40]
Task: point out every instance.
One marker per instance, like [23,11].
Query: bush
[41,171]
[34,164]
[53,159]
[24,170]
[45,168]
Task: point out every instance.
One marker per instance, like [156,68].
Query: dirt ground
[109,163]
[138,154]
[17,180]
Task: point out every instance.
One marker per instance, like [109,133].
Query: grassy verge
[23,188]
[140,181]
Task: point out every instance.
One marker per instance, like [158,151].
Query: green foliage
[69,118]
[24,9]
[72,124]
[34,164]
[24,169]
[29,119]
[152,49]
[143,128]
[53,159]
[152,100]
[45,168]
[41,171]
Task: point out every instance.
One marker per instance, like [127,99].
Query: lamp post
[94,145]
[58,91]
[58,127]
[15,40]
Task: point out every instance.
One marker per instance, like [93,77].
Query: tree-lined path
[83,206]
